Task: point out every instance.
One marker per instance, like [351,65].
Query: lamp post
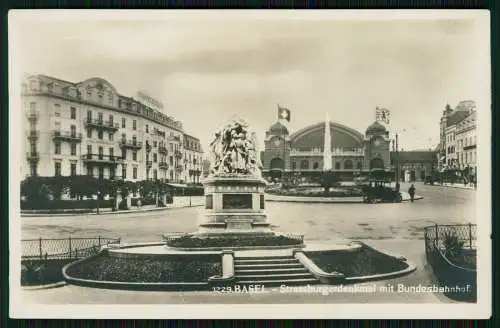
[98,199]
[397,163]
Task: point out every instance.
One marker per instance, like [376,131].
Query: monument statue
[234,151]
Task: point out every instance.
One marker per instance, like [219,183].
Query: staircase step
[272,257]
[276,275]
[266,261]
[286,282]
[274,270]
[263,266]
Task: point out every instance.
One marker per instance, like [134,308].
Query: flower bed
[365,262]
[67,204]
[344,192]
[147,270]
[195,242]
[42,272]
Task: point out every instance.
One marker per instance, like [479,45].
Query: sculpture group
[234,150]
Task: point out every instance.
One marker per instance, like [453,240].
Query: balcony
[149,163]
[174,138]
[33,156]
[33,134]
[469,147]
[163,165]
[148,147]
[101,159]
[178,154]
[131,144]
[99,124]
[162,150]
[33,116]
[67,136]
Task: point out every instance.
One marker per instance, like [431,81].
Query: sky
[205,69]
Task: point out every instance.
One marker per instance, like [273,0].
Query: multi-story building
[466,143]
[193,159]
[458,136]
[89,128]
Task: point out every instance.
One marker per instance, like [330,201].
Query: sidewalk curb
[457,187]
[154,209]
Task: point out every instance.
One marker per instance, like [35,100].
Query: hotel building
[89,128]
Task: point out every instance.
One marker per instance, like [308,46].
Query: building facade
[458,137]
[303,152]
[89,128]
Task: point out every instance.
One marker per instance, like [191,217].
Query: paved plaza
[395,228]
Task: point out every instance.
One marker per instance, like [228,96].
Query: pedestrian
[139,203]
[411,191]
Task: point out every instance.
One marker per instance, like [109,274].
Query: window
[57,149]
[304,164]
[124,154]
[359,165]
[89,151]
[110,99]
[89,170]
[100,135]
[101,153]
[57,110]
[171,147]
[147,128]
[171,160]
[73,113]
[57,126]
[89,93]
[73,130]
[124,172]
[57,168]
[155,144]
[110,136]
[124,122]
[134,156]
[73,149]
[99,117]
[134,140]
[111,152]
[89,133]
[315,165]
[32,107]
[294,165]
[134,125]
[89,116]
[337,166]
[73,168]
[134,173]
[348,165]
[155,157]
[155,174]
[101,171]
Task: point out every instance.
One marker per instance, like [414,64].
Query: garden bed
[345,192]
[364,262]
[42,272]
[146,270]
[464,259]
[237,241]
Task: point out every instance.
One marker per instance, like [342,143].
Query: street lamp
[98,198]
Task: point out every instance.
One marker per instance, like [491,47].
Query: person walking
[411,191]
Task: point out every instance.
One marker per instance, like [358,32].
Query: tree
[34,189]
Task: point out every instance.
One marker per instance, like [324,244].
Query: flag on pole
[283,113]
[382,115]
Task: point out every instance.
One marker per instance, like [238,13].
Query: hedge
[67,204]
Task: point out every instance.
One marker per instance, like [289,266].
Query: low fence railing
[441,241]
[63,248]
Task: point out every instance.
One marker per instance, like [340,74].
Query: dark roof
[376,127]
[414,156]
[456,117]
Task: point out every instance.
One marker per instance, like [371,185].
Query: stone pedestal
[234,205]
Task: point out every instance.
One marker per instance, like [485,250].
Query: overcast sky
[204,70]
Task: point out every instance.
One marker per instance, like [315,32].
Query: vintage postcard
[250,164]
